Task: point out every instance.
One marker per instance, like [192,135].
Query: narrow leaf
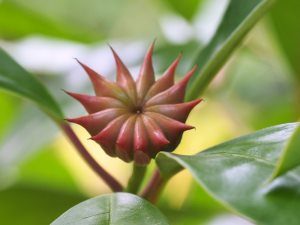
[285,21]
[290,157]
[17,80]
[236,173]
[119,208]
[238,19]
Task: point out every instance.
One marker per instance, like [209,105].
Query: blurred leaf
[187,9]
[17,80]
[239,18]
[119,208]
[24,139]
[285,18]
[236,174]
[17,21]
[166,53]
[113,19]
[198,202]
[8,110]
[255,81]
[20,205]
[291,155]
[46,169]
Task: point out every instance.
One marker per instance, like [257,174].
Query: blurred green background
[41,175]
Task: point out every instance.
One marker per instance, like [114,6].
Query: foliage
[237,173]
[255,176]
[119,208]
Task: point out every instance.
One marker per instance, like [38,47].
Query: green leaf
[35,172]
[119,208]
[238,19]
[17,21]
[34,205]
[291,155]
[187,9]
[9,106]
[17,80]
[285,20]
[237,172]
[23,139]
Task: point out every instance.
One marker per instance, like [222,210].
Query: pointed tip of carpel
[113,52]
[85,67]
[192,71]
[153,42]
[150,50]
[148,59]
[189,127]
[180,55]
[188,76]
[93,138]
[176,62]
[72,94]
[76,96]
[120,65]
[70,120]
[93,75]
[97,137]
[78,61]
[195,102]
[171,70]
[77,120]
[67,92]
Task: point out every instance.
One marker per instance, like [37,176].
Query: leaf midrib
[261,160]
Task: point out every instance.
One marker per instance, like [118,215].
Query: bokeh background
[41,175]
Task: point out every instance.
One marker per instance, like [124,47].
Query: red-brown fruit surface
[134,120]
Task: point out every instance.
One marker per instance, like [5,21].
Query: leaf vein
[242,156]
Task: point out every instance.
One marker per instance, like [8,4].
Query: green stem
[136,179]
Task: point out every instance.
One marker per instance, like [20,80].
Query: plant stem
[136,179]
[109,179]
[154,187]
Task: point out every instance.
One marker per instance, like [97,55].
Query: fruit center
[137,110]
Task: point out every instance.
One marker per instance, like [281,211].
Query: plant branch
[109,179]
[154,187]
[136,179]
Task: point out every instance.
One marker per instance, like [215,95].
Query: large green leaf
[17,21]
[32,205]
[113,209]
[17,80]
[237,174]
[285,20]
[291,155]
[238,19]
